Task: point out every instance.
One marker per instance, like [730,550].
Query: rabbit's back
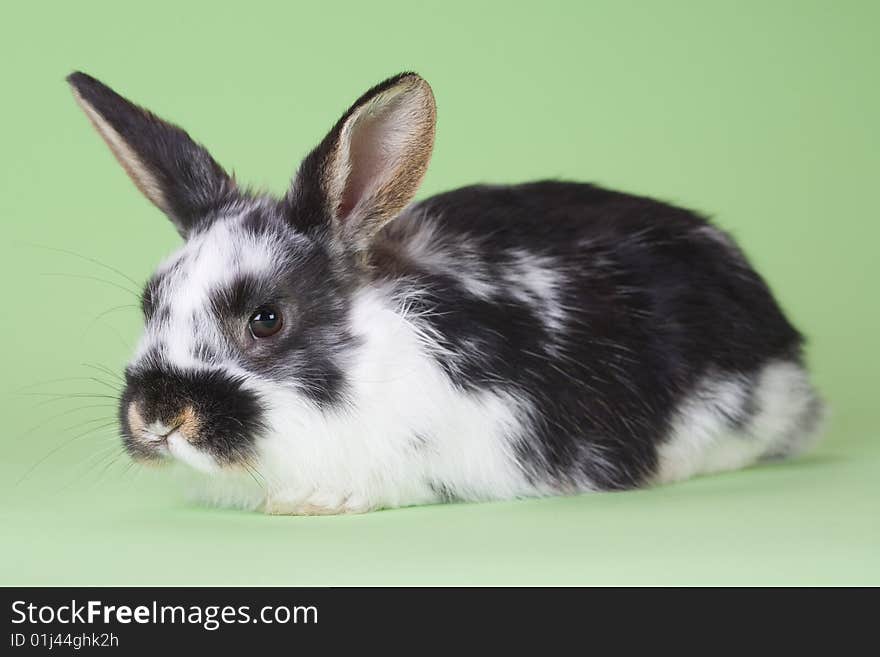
[638,339]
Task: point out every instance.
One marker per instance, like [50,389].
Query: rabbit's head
[253,312]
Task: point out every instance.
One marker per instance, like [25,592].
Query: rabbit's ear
[370,164]
[178,175]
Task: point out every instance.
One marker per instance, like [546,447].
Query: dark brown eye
[265,322]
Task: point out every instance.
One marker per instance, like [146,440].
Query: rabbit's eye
[265,322]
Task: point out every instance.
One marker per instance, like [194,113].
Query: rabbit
[343,349]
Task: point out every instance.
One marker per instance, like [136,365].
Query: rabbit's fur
[490,342]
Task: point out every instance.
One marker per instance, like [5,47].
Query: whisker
[67,379]
[53,399]
[92,278]
[104,369]
[100,316]
[61,446]
[108,455]
[113,461]
[99,455]
[86,423]
[66,395]
[254,477]
[117,334]
[69,411]
[87,259]
[128,468]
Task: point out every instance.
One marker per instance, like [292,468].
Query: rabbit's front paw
[318,503]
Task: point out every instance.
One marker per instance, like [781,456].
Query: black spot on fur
[150,297]
[740,418]
[254,222]
[205,352]
[443,492]
[153,304]
[236,298]
[420,440]
[228,415]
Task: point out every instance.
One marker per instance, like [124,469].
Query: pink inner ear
[377,141]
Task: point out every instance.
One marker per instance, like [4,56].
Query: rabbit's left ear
[174,172]
[370,164]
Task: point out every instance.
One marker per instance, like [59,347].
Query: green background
[763,114]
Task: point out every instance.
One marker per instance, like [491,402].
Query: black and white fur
[490,342]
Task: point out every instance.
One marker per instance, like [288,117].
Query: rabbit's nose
[151,432]
[185,423]
[161,430]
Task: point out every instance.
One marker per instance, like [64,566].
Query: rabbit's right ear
[369,166]
[178,175]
